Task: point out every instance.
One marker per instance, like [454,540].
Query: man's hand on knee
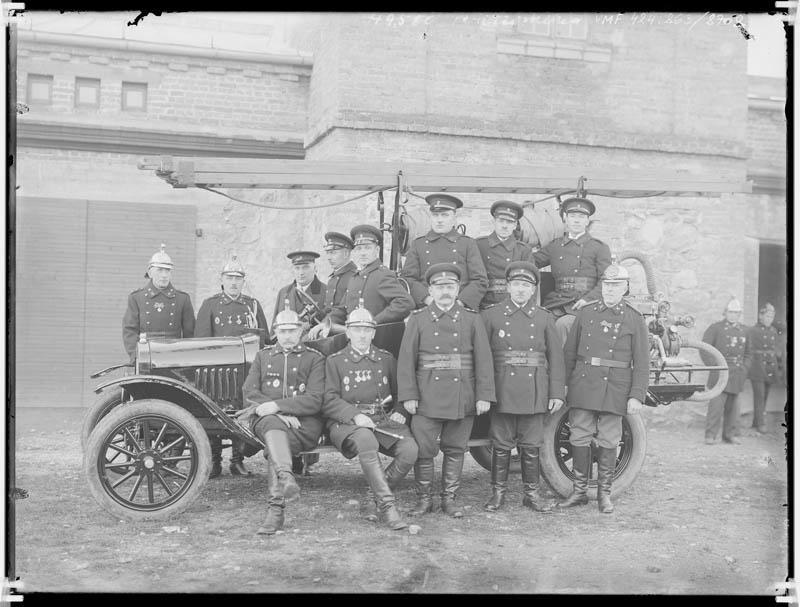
[364,421]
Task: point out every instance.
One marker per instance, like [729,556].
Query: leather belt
[497,285]
[575,283]
[736,360]
[520,358]
[371,408]
[764,352]
[445,361]
[606,362]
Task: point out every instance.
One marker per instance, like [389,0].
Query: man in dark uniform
[765,367]
[229,313]
[528,378]
[500,248]
[577,261]
[728,336]
[445,377]
[443,244]
[283,391]
[607,362]
[306,294]
[359,381]
[337,249]
[157,309]
[373,285]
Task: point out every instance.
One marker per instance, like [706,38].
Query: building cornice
[67,40]
[128,140]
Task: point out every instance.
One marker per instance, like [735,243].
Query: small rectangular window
[536,25]
[39,89]
[574,28]
[134,96]
[87,92]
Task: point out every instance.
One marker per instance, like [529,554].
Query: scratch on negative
[142,15]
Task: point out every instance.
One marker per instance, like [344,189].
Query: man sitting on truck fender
[359,383]
[284,389]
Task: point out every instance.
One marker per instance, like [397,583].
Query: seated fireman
[284,389]
[360,381]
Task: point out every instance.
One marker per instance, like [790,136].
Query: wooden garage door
[97,254]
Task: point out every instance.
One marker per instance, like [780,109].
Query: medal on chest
[159,305]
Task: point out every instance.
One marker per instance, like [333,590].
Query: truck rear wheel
[555,456]
[148,460]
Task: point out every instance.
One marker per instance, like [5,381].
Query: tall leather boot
[395,472]
[369,507]
[580,468]
[280,457]
[423,474]
[529,458]
[606,463]
[384,498]
[216,456]
[452,464]
[237,459]
[276,504]
[500,459]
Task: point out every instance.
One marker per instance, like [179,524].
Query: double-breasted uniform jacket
[454,248]
[445,362]
[496,254]
[528,356]
[295,380]
[357,383]
[384,295]
[576,265]
[158,313]
[337,285]
[607,358]
[298,301]
[222,316]
[764,343]
[731,340]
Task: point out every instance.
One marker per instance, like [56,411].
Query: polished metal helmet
[615,273]
[233,267]
[733,305]
[160,259]
[287,317]
[360,317]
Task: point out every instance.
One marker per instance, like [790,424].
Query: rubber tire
[148,406]
[104,403]
[550,464]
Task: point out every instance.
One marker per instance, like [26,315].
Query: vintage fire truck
[145,439]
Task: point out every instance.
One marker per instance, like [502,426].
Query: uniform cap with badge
[366,234]
[337,240]
[443,273]
[507,209]
[578,205]
[443,202]
[233,267]
[522,270]
[160,259]
[300,257]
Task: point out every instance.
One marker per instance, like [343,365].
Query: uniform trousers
[760,396]
[585,424]
[722,411]
[304,438]
[509,430]
[563,324]
[454,434]
[351,440]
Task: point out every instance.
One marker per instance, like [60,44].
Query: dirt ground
[698,520]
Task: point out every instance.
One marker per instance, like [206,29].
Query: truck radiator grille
[219,383]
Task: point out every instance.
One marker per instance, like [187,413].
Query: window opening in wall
[134,96]
[39,89]
[571,27]
[87,92]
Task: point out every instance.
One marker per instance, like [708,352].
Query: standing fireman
[528,378]
[443,244]
[338,247]
[577,261]
[608,364]
[360,381]
[728,336]
[157,309]
[306,293]
[284,390]
[765,368]
[445,378]
[229,313]
[500,248]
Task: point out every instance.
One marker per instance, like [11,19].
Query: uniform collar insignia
[528,309]
[357,356]
[452,235]
[169,291]
[579,240]
[437,312]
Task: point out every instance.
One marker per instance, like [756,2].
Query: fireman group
[475,343]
